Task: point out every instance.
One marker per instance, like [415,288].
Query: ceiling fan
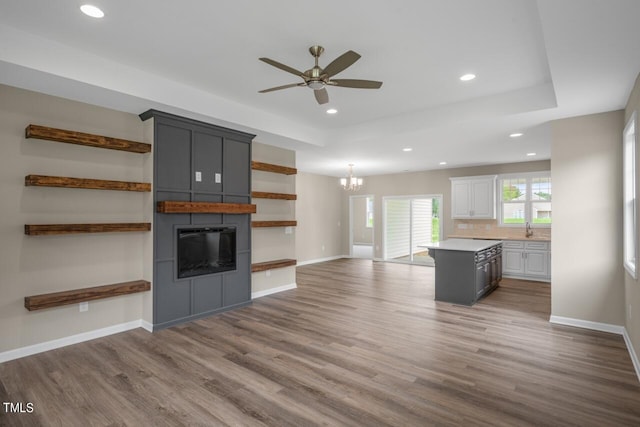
[318,78]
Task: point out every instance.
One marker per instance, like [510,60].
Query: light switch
[198,176]
[218,178]
[288,230]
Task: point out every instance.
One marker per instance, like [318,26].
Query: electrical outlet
[83,306]
[322,248]
[288,230]
[198,176]
[218,178]
[267,273]
[462,226]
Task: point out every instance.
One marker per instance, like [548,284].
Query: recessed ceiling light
[332,111]
[442,163]
[515,135]
[407,149]
[92,11]
[467,77]
[531,154]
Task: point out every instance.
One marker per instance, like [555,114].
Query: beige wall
[41,264]
[268,244]
[320,226]
[632,286]
[587,275]
[423,183]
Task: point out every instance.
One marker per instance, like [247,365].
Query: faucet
[528,230]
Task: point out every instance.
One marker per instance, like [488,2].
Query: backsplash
[489,228]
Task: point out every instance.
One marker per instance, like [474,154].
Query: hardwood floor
[358,343]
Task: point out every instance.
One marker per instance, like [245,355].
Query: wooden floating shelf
[93,184]
[279,196]
[170,206]
[258,224]
[269,265]
[56,229]
[55,299]
[268,167]
[88,139]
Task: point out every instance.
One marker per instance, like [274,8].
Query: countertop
[498,237]
[467,245]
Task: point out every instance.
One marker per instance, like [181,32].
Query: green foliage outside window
[510,193]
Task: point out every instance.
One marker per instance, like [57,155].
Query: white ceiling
[536,61]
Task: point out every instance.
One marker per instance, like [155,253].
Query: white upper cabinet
[473,197]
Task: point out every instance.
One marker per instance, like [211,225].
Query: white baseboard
[73,339]
[602,327]
[266,292]
[315,261]
[146,325]
[527,278]
[632,353]
[586,324]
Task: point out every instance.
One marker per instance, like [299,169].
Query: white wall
[587,275]
[32,265]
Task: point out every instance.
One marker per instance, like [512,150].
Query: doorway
[361,240]
[410,222]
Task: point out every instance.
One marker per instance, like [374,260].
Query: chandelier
[351,183]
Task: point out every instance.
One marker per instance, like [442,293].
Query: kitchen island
[466,270]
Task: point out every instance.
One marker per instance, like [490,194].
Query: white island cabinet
[473,197]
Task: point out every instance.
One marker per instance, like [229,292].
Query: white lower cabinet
[526,259]
[512,260]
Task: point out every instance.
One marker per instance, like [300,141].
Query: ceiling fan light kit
[317,78]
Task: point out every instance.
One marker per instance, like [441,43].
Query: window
[409,223]
[629,189]
[525,198]
[369,210]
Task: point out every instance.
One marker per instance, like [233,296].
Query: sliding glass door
[410,222]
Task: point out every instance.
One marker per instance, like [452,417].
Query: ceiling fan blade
[322,96]
[357,84]
[281,87]
[341,63]
[282,67]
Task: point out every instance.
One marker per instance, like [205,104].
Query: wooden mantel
[171,206]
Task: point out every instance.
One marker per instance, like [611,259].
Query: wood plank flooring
[357,343]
